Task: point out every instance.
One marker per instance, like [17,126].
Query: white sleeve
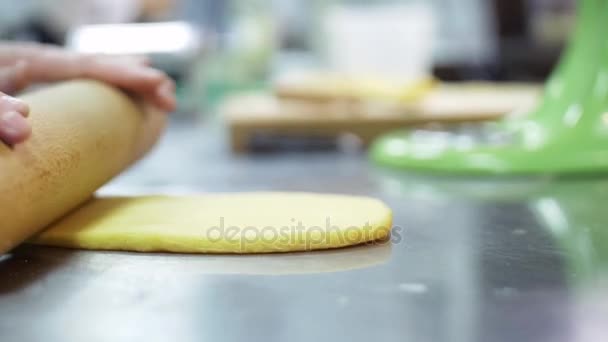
[67,14]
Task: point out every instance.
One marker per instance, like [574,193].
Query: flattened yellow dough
[227,223]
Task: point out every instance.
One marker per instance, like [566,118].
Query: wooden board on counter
[264,114]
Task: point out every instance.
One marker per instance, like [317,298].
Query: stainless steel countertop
[471,260]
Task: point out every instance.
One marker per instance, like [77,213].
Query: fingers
[14,78]
[140,60]
[124,75]
[12,104]
[164,96]
[149,83]
[135,60]
[14,127]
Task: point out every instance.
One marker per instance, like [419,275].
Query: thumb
[14,78]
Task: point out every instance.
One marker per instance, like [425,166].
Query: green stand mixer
[566,133]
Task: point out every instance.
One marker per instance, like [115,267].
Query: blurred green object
[242,59]
[567,133]
[574,213]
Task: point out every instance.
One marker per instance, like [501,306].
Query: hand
[14,127]
[39,63]
[132,74]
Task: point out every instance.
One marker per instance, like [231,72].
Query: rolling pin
[84,134]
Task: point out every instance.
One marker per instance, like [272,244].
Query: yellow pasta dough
[223,223]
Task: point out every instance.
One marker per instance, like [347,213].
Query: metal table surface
[470,260]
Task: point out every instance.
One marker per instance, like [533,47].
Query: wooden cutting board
[251,115]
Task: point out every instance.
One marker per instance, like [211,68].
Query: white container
[393,41]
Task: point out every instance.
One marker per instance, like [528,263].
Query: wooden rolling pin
[84,134]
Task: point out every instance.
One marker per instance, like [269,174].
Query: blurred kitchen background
[217,49]
[341,72]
